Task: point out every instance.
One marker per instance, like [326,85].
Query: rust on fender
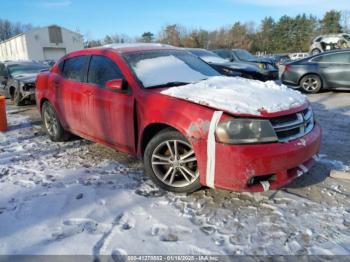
[3,119]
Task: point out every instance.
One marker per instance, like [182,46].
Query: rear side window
[73,68]
[2,70]
[342,58]
[103,69]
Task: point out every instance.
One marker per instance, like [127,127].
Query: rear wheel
[311,84]
[315,51]
[52,124]
[170,161]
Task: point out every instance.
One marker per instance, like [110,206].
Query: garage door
[51,53]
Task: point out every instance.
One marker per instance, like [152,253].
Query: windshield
[168,67]
[208,56]
[24,69]
[244,55]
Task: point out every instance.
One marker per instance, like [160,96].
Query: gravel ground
[309,216]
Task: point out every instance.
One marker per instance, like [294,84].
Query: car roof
[335,51]
[132,47]
[7,63]
[331,35]
[198,49]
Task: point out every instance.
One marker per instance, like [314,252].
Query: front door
[109,115]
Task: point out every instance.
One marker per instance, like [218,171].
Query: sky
[97,18]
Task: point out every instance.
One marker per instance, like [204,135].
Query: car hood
[240,96]
[261,60]
[26,78]
[238,66]
[243,66]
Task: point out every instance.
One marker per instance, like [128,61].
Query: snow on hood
[239,95]
[26,78]
[243,66]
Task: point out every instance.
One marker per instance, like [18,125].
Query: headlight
[262,66]
[245,131]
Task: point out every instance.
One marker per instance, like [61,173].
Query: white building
[44,43]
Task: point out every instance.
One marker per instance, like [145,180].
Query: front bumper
[236,165]
[270,75]
[28,92]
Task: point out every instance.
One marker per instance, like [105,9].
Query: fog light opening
[257,179]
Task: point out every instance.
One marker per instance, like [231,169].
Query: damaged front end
[27,90]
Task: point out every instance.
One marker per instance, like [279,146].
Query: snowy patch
[239,95]
[336,164]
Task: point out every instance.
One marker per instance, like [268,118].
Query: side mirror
[116,85]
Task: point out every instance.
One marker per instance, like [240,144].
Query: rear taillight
[287,68]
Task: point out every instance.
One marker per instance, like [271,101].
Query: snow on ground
[57,199]
[239,95]
[81,198]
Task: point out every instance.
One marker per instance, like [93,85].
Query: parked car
[266,65]
[298,56]
[328,42]
[323,71]
[229,68]
[118,96]
[18,80]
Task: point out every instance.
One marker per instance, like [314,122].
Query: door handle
[56,84]
[88,93]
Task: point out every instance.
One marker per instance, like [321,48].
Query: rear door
[335,68]
[68,91]
[109,112]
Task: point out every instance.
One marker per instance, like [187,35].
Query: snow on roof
[239,95]
[131,45]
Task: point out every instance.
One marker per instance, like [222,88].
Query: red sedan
[166,106]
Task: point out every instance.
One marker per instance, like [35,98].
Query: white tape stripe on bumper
[304,170]
[210,176]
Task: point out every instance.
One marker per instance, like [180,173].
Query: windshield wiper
[170,84]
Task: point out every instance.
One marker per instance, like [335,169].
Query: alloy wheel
[50,121]
[310,84]
[174,163]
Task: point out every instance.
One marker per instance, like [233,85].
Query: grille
[293,126]
[28,87]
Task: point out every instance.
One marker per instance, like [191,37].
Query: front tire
[52,124]
[311,84]
[17,98]
[170,162]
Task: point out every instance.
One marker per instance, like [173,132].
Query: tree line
[287,34]
[9,29]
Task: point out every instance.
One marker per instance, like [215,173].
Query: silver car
[328,42]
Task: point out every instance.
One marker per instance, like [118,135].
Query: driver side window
[103,69]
